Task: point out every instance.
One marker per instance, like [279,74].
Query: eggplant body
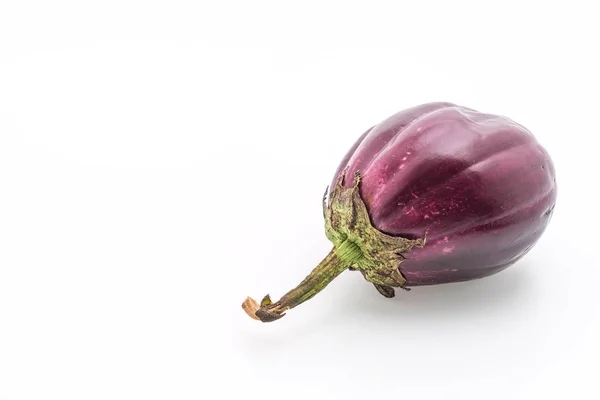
[478,186]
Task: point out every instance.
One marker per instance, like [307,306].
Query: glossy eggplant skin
[478,186]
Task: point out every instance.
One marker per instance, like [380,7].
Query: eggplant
[437,193]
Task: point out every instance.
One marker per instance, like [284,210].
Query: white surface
[161,161]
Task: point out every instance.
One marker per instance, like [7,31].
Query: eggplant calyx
[357,245]
[347,218]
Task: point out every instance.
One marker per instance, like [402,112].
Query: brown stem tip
[266,311]
[251,307]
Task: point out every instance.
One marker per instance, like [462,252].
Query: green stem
[337,261]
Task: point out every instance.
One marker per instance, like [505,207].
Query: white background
[160,161]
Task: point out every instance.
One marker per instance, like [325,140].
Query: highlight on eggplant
[437,193]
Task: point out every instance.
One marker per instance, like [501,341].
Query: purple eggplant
[437,193]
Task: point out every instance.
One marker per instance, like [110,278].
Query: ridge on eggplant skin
[479,186]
